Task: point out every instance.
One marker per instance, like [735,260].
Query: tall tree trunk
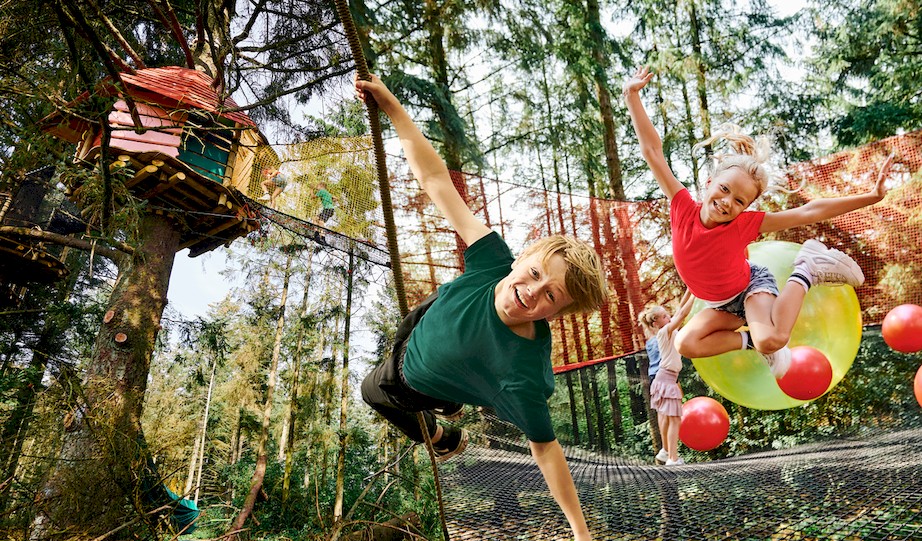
[193,466]
[203,438]
[694,27]
[295,385]
[344,398]
[600,56]
[444,110]
[101,457]
[262,453]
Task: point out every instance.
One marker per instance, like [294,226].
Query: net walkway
[843,489]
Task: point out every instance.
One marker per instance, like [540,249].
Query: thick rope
[361,66]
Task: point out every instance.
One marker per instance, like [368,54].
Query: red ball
[902,328]
[705,423]
[917,386]
[809,375]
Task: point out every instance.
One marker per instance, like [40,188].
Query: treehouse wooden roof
[169,87]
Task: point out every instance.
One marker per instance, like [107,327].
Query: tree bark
[344,399]
[204,434]
[295,385]
[98,472]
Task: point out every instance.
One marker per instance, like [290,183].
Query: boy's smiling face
[533,290]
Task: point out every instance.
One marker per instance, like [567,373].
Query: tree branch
[64,240]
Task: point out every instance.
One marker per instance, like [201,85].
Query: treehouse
[175,144]
[24,259]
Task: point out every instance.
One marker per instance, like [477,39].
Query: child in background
[646,319]
[273,184]
[665,393]
[326,203]
[484,338]
[709,241]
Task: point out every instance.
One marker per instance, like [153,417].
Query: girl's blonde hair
[748,154]
[647,316]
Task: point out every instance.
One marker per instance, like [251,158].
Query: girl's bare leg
[710,332]
[771,318]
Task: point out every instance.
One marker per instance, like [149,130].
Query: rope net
[844,489]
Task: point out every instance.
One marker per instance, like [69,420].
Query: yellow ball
[829,321]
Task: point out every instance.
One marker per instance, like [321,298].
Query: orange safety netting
[634,241]
[632,237]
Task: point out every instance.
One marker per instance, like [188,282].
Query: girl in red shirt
[710,238]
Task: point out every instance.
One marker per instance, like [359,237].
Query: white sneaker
[778,362]
[829,266]
[265,198]
[676,462]
[662,456]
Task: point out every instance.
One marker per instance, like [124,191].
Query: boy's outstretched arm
[827,207]
[651,146]
[428,167]
[553,465]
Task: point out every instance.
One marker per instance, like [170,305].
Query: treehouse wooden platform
[186,150]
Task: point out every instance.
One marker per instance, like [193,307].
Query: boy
[484,339]
[326,203]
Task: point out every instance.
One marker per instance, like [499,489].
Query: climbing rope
[361,66]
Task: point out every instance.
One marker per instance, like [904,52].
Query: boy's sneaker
[778,362]
[829,266]
[452,442]
[677,462]
[450,415]
[662,456]
[265,197]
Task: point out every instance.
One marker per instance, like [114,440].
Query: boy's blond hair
[584,279]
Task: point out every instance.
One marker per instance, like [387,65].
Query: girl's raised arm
[651,146]
[685,306]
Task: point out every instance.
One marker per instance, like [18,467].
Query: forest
[122,418]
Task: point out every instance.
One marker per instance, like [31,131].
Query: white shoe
[662,456]
[676,462]
[778,362]
[829,266]
[265,198]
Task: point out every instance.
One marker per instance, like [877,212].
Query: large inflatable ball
[829,321]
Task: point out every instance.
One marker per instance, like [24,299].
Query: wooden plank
[141,174]
[208,188]
[172,116]
[149,136]
[163,186]
[139,147]
[117,118]
[184,199]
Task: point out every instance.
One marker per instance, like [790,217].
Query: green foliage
[868,63]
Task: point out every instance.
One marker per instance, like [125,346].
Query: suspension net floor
[867,488]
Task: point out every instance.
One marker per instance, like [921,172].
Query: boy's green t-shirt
[461,351]
[326,198]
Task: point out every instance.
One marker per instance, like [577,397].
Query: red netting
[633,238]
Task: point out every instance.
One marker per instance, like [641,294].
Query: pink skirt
[665,394]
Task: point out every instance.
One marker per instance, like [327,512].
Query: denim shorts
[761,280]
